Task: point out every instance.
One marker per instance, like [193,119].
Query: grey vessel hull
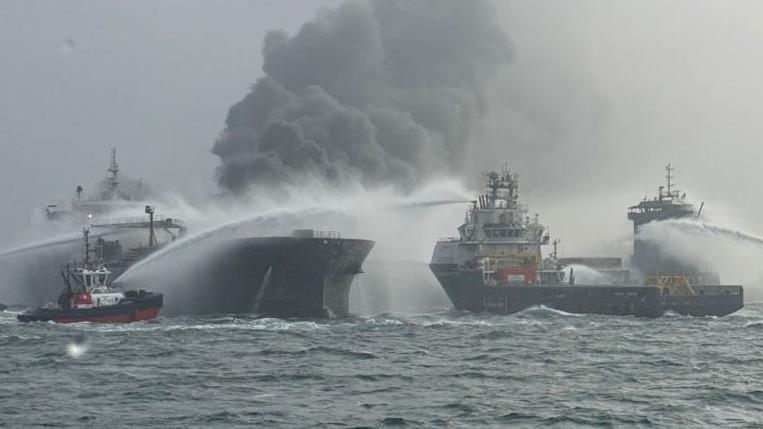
[285,277]
[467,291]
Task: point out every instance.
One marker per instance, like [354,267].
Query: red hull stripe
[144,314]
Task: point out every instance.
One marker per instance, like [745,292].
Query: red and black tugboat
[89,297]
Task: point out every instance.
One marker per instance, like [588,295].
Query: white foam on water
[250,325]
[754,324]
[384,322]
[450,322]
[542,308]
[21,337]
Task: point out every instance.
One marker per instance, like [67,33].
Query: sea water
[537,368]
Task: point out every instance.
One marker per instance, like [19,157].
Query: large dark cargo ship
[495,265]
[305,275]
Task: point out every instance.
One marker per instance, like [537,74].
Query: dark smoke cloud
[383,91]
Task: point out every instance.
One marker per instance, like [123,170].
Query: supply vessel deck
[496,265]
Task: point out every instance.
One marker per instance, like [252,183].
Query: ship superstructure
[497,235]
[113,194]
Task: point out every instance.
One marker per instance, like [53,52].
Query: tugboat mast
[86,233]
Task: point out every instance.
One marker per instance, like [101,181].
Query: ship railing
[315,233]
[449,239]
[326,234]
[139,222]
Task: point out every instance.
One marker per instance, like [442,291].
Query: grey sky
[630,86]
[608,92]
[154,79]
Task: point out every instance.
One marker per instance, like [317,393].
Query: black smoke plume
[380,91]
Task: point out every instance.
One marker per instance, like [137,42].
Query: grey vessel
[305,275]
[496,264]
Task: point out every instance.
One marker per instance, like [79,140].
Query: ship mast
[555,255]
[86,233]
[669,176]
[151,234]
[114,173]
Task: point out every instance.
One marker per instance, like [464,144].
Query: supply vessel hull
[468,292]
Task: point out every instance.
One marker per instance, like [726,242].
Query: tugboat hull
[467,292]
[136,307]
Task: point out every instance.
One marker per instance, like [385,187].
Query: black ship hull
[285,277]
[467,291]
[137,305]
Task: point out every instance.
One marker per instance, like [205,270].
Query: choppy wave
[540,367]
[212,325]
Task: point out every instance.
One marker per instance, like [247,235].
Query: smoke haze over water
[384,92]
